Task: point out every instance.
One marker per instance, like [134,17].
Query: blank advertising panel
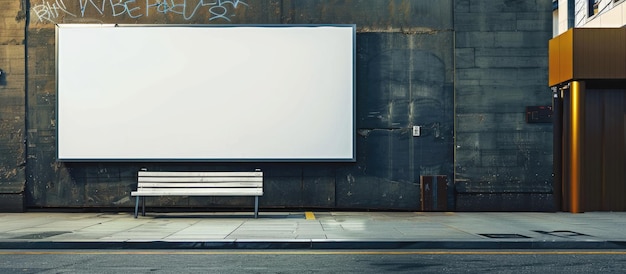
[205,93]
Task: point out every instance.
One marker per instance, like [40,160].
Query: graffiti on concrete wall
[51,11]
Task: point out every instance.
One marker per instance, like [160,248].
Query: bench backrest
[201,183]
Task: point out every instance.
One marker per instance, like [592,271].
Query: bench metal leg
[136,206]
[143,206]
[256,207]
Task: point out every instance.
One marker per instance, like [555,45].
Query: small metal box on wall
[538,114]
[434,191]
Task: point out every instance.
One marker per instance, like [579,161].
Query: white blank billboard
[205,93]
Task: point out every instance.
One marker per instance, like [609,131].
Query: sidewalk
[314,230]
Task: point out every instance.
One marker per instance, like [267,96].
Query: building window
[593,7]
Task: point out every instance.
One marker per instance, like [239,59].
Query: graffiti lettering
[217,8]
[83,6]
[122,7]
[49,11]
[218,12]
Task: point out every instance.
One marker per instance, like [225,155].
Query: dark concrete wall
[502,162]
[406,76]
[12,109]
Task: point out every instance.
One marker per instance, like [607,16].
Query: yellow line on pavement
[309,215]
[312,252]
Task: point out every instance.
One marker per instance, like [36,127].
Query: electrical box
[434,192]
[417,131]
[538,114]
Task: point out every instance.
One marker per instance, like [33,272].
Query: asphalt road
[312,261]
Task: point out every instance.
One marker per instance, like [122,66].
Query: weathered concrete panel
[474,39]
[505,202]
[389,166]
[12,202]
[500,21]
[488,6]
[506,73]
[524,39]
[12,109]
[464,58]
[378,193]
[492,122]
[512,186]
[485,97]
[510,61]
[282,191]
[532,25]
[504,21]
[490,74]
[318,192]
[405,80]
[373,15]
[512,52]
[102,193]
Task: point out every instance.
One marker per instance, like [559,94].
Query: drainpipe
[557,148]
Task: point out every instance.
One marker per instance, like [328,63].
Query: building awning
[587,54]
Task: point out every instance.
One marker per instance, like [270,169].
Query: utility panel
[538,114]
[434,191]
[417,131]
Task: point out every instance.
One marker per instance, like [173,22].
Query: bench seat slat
[198,174]
[198,192]
[200,185]
[199,179]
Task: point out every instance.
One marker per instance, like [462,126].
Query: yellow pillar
[577,116]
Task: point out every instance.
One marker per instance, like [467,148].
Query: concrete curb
[317,244]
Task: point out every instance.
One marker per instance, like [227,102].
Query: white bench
[165,183]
